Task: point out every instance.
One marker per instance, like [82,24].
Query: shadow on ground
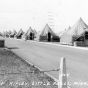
[11,47]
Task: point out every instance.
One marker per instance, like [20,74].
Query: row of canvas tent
[18,35]
[78,34]
[46,34]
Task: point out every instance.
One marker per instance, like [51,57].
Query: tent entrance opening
[49,36]
[31,36]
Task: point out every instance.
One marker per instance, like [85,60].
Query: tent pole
[84,38]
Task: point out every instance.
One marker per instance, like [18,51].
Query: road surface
[47,57]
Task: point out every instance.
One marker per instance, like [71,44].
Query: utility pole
[51,20]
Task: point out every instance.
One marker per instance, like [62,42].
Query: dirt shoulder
[16,73]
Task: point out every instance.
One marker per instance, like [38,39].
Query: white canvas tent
[19,34]
[78,29]
[13,34]
[29,35]
[45,34]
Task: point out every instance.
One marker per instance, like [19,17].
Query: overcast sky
[16,14]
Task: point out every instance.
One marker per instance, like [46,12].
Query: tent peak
[80,19]
[69,27]
[20,28]
[29,27]
[47,24]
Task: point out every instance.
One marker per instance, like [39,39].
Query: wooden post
[75,43]
[62,74]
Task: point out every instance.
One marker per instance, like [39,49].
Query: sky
[59,14]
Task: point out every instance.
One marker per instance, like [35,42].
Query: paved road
[47,57]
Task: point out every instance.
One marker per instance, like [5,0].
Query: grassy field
[16,73]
